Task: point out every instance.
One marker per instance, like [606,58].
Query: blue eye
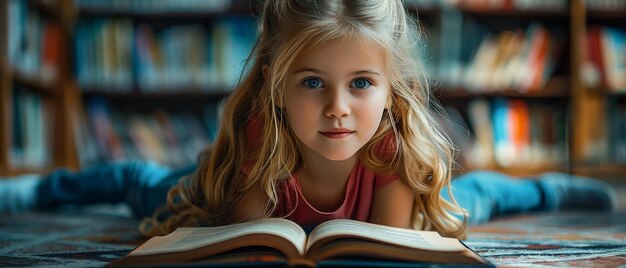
[313,83]
[361,83]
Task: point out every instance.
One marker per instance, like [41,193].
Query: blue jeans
[141,185]
[144,186]
[488,194]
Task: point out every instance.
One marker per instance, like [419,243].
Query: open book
[281,240]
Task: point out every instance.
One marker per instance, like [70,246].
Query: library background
[530,86]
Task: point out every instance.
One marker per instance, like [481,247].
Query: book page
[453,242]
[186,238]
[399,236]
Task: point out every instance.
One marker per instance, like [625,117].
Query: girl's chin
[341,156]
[334,152]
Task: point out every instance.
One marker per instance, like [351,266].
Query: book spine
[614,48]
[516,133]
[30,146]
[170,138]
[114,54]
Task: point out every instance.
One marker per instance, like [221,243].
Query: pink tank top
[358,198]
[356,205]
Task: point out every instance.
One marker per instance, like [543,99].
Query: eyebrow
[322,72]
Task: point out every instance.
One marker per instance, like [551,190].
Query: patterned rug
[73,237]
[94,237]
[580,239]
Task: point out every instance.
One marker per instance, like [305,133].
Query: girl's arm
[393,205]
[251,206]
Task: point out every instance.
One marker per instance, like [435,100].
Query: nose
[337,104]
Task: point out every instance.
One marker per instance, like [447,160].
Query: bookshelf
[484,92]
[153,75]
[583,116]
[600,147]
[35,82]
[594,131]
[5,94]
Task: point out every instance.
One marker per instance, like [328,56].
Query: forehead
[352,52]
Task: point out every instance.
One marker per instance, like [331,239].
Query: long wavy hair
[422,155]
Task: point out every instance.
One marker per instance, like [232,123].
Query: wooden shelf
[32,83]
[22,171]
[607,91]
[522,171]
[601,171]
[612,92]
[59,11]
[555,88]
[607,14]
[49,10]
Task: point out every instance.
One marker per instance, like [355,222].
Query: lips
[337,133]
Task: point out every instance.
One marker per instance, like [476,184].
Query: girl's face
[335,95]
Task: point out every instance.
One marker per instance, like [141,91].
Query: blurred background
[528,85]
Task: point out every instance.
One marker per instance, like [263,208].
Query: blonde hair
[422,156]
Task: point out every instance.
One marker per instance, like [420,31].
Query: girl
[333,120]
[314,131]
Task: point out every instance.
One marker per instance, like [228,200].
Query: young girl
[333,120]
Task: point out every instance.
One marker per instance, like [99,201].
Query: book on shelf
[512,132]
[616,130]
[539,5]
[278,241]
[504,151]
[605,5]
[34,42]
[451,60]
[30,144]
[102,53]
[593,68]
[172,137]
[520,60]
[604,63]
[481,152]
[114,54]
[613,47]
[234,38]
[539,63]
